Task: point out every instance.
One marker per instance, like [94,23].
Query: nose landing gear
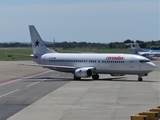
[140,76]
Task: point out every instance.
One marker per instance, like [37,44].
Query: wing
[54,67]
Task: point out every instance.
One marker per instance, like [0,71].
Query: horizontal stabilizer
[17,54]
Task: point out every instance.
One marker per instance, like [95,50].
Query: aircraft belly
[122,72]
[122,69]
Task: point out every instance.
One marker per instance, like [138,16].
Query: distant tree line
[112,45]
[16,44]
[143,44]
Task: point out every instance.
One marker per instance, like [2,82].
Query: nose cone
[152,66]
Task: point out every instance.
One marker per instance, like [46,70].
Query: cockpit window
[144,60]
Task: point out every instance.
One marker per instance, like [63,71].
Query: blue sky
[80,20]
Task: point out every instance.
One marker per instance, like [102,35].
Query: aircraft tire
[95,77]
[76,78]
[140,79]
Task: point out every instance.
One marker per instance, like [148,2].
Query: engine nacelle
[83,72]
[117,74]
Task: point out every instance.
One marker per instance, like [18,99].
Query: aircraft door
[131,64]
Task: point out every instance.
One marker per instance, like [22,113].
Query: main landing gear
[76,78]
[95,77]
[140,79]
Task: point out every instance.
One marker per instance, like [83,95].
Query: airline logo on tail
[36,43]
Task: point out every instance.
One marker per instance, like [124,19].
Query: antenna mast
[54,46]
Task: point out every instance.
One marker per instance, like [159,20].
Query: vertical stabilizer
[134,48]
[38,45]
[137,46]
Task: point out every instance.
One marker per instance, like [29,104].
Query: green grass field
[6,53]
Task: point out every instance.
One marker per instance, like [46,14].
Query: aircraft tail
[38,45]
[135,48]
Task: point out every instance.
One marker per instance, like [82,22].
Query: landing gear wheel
[140,79]
[76,78]
[95,77]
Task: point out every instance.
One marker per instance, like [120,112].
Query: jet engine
[83,72]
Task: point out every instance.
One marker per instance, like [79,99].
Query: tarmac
[109,98]
[11,70]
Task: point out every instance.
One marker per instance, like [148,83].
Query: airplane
[151,54]
[83,65]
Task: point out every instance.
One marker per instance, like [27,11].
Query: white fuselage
[88,64]
[103,63]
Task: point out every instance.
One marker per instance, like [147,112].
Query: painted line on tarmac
[56,75]
[41,81]
[9,93]
[19,79]
[32,84]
